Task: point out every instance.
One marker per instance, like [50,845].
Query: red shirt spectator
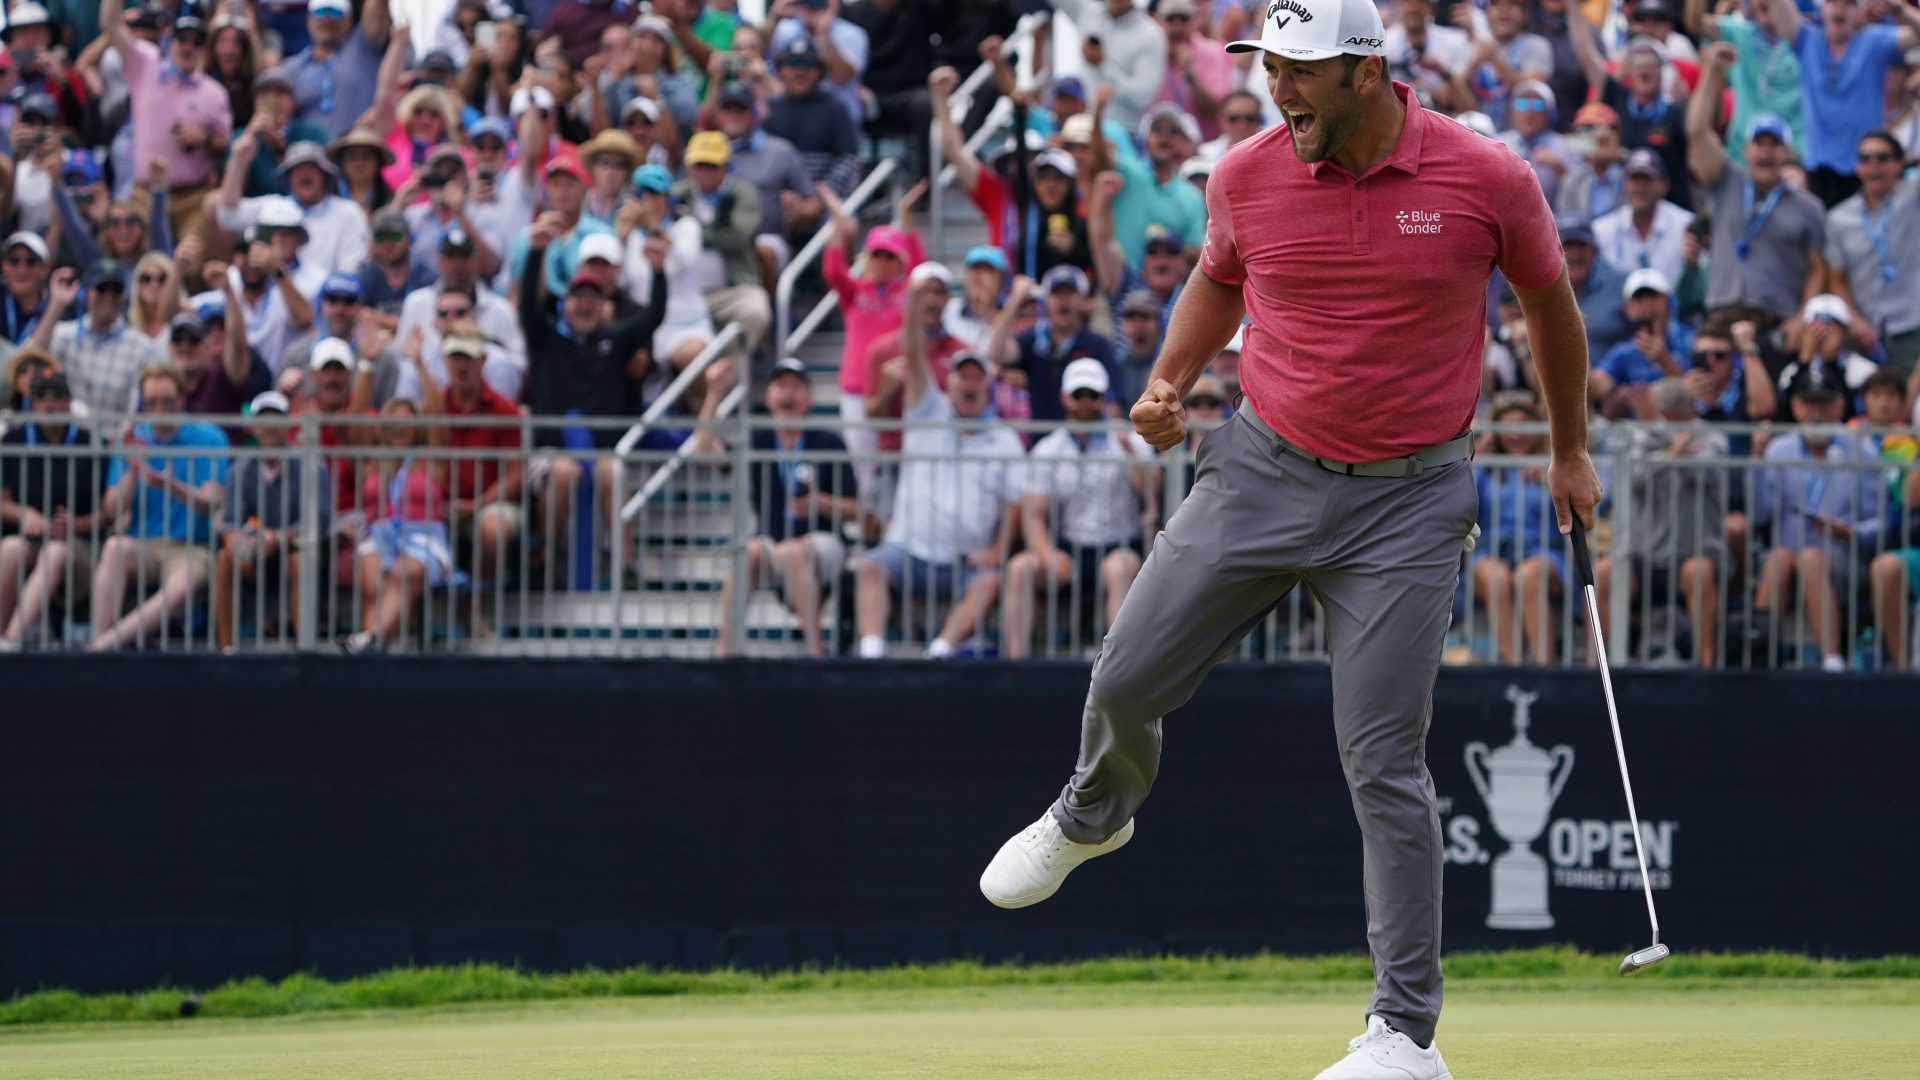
[472,479]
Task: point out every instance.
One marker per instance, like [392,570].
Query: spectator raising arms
[872,304]
[1123,47]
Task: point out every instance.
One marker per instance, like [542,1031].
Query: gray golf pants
[1382,556]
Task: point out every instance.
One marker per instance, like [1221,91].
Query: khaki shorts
[158,558]
[829,557]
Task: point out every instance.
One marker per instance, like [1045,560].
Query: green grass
[473,983]
[1585,1025]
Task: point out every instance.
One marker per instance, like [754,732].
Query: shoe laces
[1379,1036]
[1048,834]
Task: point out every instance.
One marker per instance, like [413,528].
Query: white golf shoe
[1030,867]
[1385,1054]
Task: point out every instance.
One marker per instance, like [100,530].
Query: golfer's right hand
[1159,416]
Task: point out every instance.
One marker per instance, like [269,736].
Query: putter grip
[1582,559]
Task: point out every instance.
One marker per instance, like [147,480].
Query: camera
[435,180]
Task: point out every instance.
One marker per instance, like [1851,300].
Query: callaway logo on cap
[1318,29]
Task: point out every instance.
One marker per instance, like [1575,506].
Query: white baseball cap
[1058,160]
[270,401]
[600,246]
[931,271]
[280,212]
[1084,374]
[1318,29]
[330,351]
[1826,306]
[1646,278]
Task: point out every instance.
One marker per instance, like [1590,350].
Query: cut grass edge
[418,987]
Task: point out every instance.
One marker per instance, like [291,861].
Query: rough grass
[440,986]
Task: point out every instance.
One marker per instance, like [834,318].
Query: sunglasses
[1877,157]
[117,221]
[1161,247]
[186,339]
[112,285]
[346,301]
[162,404]
[1205,403]
[1086,395]
[195,40]
[454,313]
[23,260]
[1529,105]
[1713,355]
[1243,118]
[153,279]
[639,120]
[387,235]
[489,146]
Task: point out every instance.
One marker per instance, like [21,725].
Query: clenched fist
[1160,416]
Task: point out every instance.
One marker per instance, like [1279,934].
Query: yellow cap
[709,148]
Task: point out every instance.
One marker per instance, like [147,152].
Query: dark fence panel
[171,819]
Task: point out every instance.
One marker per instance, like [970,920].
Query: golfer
[1360,237]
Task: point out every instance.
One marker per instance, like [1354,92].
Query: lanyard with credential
[1756,221]
[1877,236]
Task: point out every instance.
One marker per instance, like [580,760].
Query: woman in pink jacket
[871,306]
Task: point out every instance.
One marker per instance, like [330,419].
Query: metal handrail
[962,102]
[677,387]
[660,476]
[783,290]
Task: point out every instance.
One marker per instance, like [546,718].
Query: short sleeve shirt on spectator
[105,367]
[1773,274]
[334,92]
[161,98]
[1145,201]
[1045,360]
[1526,52]
[947,507]
[1661,128]
[1846,98]
[1369,295]
[1893,307]
[1088,477]
[472,479]
[1765,80]
[156,515]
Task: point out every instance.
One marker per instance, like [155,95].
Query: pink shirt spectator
[162,96]
[420,496]
[1213,69]
[1369,296]
[869,311]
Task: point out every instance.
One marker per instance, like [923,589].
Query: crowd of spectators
[503,208]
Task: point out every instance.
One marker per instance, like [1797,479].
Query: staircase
[685,537]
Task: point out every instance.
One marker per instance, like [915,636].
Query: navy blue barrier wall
[172,820]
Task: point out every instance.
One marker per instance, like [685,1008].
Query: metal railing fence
[545,538]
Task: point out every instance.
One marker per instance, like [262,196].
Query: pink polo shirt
[162,97]
[1369,296]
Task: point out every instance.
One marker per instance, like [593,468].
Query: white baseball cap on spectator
[330,7]
[1188,125]
[1195,167]
[331,351]
[280,212]
[600,246]
[654,24]
[1077,129]
[1826,306]
[646,107]
[931,271]
[1646,279]
[1085,374]
[1536,88]
[968,356]
[1065,277]
[1237,343]
[31,241]
[457,343]
[1318,29]
[270,401]
[27,14]
[1058,160]
[1643,43]
[538,97]
[1479,123]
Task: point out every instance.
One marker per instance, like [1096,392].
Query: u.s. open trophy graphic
[1519,783]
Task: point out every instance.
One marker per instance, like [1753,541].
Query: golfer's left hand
[1575,487]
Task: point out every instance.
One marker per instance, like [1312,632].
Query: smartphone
[485,176]
[484,35]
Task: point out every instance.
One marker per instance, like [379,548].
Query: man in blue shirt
[1059,338]
[334,77]
[1596,285]
[169,501]
[1660,346]
[1843,75]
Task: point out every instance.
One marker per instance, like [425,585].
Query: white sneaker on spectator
[1382,1053]
[1031,866]
[873,647]
[939,649]
[1833,662]
[362,643]
[8,645]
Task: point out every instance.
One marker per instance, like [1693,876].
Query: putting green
[1493,1030]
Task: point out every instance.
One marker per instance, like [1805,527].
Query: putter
[1636,962]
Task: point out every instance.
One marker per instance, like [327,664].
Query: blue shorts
[914,576]
[424,541]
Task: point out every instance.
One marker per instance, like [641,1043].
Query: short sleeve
[1529,251]
[1832,250]
[1220,255]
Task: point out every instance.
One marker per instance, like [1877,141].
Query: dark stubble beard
[1335,121]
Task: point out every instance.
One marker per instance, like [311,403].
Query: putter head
[1635,963]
